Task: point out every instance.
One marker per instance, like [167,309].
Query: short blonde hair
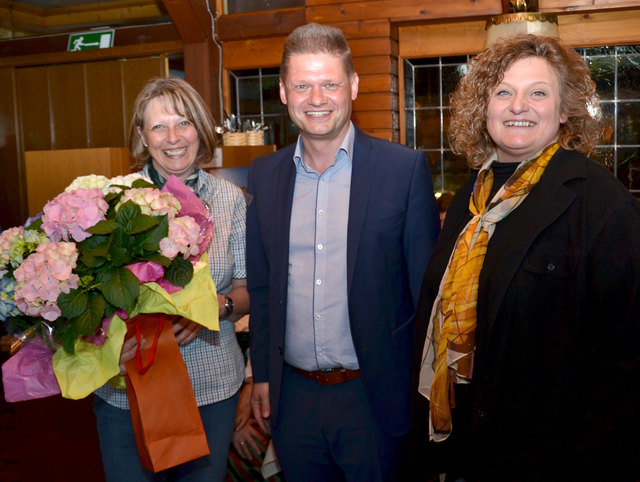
[186,102]
[314,38]
[468,133]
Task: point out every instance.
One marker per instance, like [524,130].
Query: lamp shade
[521,23]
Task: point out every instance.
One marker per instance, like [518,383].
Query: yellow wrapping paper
[92,366]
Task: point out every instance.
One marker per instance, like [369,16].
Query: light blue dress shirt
[317,332]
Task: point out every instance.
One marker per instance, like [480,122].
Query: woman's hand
[186,331]
[129,352]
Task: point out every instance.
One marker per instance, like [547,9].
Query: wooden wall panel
[441,39]
[375,64]
[253,53]
[135,74]
[377,83]
[600,28]
[380,119]
[68,106]
[584,5]
[32,88]
[372,46]
[106,116]
[400,10]
[12,190]
[376,101]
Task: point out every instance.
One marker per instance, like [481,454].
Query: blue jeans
[120,455]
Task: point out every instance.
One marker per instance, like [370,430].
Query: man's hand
[260,405]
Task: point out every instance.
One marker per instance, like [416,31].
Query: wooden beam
[157,33]
[95,13]
[267,23]
[184,17]
[140,50]
[193,20]
[400,11]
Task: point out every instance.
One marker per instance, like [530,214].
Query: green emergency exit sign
[90,40]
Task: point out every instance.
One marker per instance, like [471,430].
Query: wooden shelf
[243,156]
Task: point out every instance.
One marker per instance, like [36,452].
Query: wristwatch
[228,306]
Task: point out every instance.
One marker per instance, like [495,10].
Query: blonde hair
[468,133]
[314,38]
[186,102]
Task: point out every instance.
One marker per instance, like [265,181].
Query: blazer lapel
[364,163]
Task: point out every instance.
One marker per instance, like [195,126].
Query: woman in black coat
[527,359]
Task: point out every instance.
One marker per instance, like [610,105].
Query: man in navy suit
[340,227]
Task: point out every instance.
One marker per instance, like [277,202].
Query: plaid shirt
[213,358]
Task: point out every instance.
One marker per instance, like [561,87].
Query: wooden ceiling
[44,17]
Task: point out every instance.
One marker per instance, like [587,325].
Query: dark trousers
[328,433]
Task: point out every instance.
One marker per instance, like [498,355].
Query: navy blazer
[393,224]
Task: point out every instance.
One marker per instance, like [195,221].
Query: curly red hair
[468,134]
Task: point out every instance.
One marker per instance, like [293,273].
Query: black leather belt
[333,376]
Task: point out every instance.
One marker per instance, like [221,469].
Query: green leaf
[94,251]
[109,309]
[127,212]
[103,227]
[91,318]
[119,286]
[179,272]
[66,335]
[141,224]
[150,240]
[157,258]
[121,250]
[73,304]
[138,183]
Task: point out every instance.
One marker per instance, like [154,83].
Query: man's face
[318,94]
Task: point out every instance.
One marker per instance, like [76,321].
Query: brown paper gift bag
[165,416]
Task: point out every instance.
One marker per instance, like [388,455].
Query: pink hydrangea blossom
[67,216]
[152,202]
[42,276]
[184,237]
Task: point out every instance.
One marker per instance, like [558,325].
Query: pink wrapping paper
[29,373]
[191,206]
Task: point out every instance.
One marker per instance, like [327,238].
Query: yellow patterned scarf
[448,349]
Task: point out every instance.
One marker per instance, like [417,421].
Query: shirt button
[317,317]
[321,212]
[551,266]
[320,246]
[318,282]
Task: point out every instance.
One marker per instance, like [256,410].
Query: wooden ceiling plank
[186,20]
[24,16]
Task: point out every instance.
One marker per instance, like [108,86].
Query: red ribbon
[142,369]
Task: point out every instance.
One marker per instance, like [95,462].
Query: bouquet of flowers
[102,251]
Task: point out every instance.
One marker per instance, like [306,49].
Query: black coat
[556,373]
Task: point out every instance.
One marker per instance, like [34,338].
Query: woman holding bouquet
[172,133]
